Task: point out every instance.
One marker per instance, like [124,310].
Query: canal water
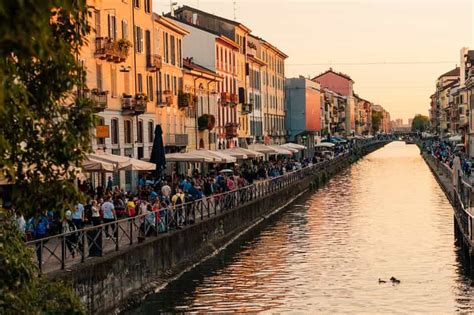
[384,216]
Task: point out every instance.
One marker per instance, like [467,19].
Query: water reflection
[383,216]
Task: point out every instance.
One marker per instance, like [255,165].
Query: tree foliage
[420,123]
[376,121]
[44,135]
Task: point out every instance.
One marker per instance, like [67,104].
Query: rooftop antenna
[172,4]
[235,9]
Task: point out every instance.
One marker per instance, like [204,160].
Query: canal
[384,216]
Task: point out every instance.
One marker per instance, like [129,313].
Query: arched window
[151,127]
[127,126]
[140,131]
[114,131]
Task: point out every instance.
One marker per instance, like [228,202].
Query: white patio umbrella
[93,165]
[187,157]
[235,153]
[280,150]
[292,150]
[325,145]
[294,145]
[218,156]
[124,163]
[262,148]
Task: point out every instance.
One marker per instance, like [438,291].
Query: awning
[250,154]
[217,156]
[94,165]
[294,146]
[455,139]
[292,150]
[235,153]
[123,163]
[325,145]
[281,150]
[187,157]
[262,148]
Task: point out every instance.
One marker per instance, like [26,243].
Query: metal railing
[61,251]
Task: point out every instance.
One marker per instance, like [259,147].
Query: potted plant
[203,122]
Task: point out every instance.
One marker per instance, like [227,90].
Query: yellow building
[168,38]
[273,94]
[120,67]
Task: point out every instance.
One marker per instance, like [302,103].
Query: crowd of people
[445,151]
[164,203]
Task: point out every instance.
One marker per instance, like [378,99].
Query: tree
[376,121]
[420,123]
[45,134]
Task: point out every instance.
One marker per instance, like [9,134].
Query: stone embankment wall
[123,278]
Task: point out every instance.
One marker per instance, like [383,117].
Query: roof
[192,25]
[170,24]
[452,73]
[450,85]
[186,7]
[343,75]
[188,63]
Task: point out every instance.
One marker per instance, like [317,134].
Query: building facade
[303,116]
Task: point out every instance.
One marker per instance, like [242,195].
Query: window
[175,89]
[147,6]
[140,132]
[97,23]
[114,131]
[99,77]
[173,51]
[127,124]
[101,141]
[113,80]
[124,29]
[139,83]
[179,54]
[149,88]
[156,44]
[150,131]
[136,3]
[112,26]
[165,35]
[138,39]
[148,47]
[126,82]
[159,89]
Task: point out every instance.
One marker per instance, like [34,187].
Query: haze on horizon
[393,50]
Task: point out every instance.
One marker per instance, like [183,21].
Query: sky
[394,50]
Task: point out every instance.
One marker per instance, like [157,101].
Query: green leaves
[44,136]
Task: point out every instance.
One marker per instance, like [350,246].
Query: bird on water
[395,280]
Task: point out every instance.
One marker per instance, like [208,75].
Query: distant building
[342,84]
[303,111]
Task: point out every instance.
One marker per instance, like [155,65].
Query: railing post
[63,252]
[83,247]
[130,226]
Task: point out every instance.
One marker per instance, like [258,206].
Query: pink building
[336,82]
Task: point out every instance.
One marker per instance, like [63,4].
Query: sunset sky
[393,49]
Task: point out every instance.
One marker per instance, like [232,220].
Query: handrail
[61,247]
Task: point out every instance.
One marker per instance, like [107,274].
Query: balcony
[231,130]
[179,140]
[100,99]
[225,98]
[186,100]
[134,105]
[247,108]
[111,50]
[234,99]
[154,63]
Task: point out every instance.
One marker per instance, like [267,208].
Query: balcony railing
[186,100]
[134,105]
[111,50]
[154,62]
[100,99]
[231,130]
[225,98]
[234,99]
[180,140]
[247,108]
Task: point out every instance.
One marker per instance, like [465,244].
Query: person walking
[78,216]
[109,214]
[68,226]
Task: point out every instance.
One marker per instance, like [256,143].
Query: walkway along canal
[127,270]
[384,216]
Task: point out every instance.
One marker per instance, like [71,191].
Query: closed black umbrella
[158,151]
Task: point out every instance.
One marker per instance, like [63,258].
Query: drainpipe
[195,113]
[209,108]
